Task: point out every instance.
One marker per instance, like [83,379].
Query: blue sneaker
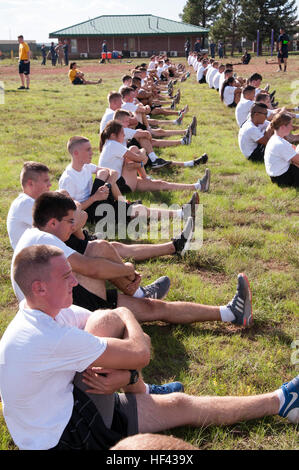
[290,408]
[166,388]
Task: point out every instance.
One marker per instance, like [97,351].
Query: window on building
[74,47]
[131,42]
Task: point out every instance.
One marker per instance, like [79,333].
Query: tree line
[230,20]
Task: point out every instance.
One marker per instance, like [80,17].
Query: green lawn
[250,225]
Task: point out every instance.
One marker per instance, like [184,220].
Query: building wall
[151,44]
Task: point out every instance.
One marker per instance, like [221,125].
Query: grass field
[250,225]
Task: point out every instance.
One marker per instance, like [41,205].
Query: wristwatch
[134,376]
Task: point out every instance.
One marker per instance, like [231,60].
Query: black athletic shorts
[133,142]
[77,81]
[283,55]
[141,126]
[289,178]
[24,68]
[86,429]
[83,298]
[77,244]
[123,187]
[258,154]
[232,105]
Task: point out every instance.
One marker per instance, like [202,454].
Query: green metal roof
[128,25]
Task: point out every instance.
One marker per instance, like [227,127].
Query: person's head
[34,179]
[263,98]
[215,64]
[45,278]
[113,131]
[136,81]
[281,30]
[228,73]
[152,442]
[249,92]
[73,65]
[123,116]
[128,94]
[282,123]
[114,100]
[221,68]
[255,80]
[53,212]
[258,113]
[20,39]
[80,149]
[127,80]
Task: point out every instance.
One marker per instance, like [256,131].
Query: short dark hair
[255,76]
[256,107]
[51,205]
[260,97]
[126,91]
[248,89]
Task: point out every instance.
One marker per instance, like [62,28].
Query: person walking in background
[187,46]
[197,45]
[44,54]
[59,53]
[212,49]
[283,41]
[52,54]
[65,48]
[24,63]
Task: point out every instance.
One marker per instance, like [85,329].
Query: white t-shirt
[39,357]
[129,107]
[200,72]
[249,134]
[277,156]
[129,134]
[112,156]
[78,183]
[196,65]
[19,218]
[242,110]
[229,94]
[216,80]
[221,80]
[108,116]
[211,76]
[151,65]
[34,236]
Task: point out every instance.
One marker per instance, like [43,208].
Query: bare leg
[22,79]
[167,133]
[160,185]
[160,412]
[142,252]
[169,312]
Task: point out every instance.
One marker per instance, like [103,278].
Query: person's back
[19,218]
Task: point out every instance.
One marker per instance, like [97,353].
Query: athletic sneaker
[172,106]
[179,120]
[194,125]
[157,289]
[205,181]
[186,140]
[166,388]
[272,94]
[21,88]
[160,163]
[290,408]
[177,97]
[185,109]
[182,242]
[201,160]
[241,305]
[189,209]
[267,87]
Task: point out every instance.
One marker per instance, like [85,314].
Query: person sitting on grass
[281,158]
[245,104]
[230,92]
[53,219]
[255,133]
[96,354]
[114,155]
[77,77]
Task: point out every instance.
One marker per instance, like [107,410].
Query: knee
[103,174]
[105,323]
[98,248]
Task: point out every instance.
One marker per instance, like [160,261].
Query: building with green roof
[133,35]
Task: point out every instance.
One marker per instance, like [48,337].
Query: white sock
[179,212]
[183,142]
[226,314]
[281,397]
[139,293]
[146,389]
[190,163]
[152,156]
[197,186]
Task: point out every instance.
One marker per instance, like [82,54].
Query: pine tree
[200,12]
[226,27]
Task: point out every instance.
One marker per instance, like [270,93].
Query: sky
[35,19]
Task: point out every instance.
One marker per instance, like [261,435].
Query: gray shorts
[105,405]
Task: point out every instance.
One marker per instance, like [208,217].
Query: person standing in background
[24,63]
[65,48]
[283,41]
[44,54]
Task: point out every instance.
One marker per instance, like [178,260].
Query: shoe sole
[161,165]
[189,237]
[207,185]
[248,318]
